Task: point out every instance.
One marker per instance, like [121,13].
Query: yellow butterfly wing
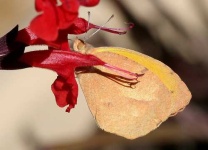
[132,112]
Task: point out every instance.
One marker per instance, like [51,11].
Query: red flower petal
[64,63]
[28,37]
[65,18]
[70,5]
[89,3]
[40,4]
[53,18]
[65,91]
[78,27]
[67,13]
[45,25]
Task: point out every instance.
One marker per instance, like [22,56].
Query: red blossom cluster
[55,21]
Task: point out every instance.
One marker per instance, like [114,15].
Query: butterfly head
[81,46]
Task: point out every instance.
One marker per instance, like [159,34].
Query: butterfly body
[121,109]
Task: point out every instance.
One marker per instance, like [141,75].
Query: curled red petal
[53,18]
[89,3]
[79,26]
[66,18]
[28,37]
[60,91]
[45,25]
[40,4]
[65,91]
[70,5]
[67,13]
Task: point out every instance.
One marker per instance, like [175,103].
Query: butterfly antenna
[100,27]
[88,24]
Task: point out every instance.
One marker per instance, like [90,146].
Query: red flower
[89,3]
[79,26]
[55,22]
[56,17]
[53,17]
[64,63]
[51,28]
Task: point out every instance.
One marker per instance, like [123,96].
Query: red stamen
[124,73]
